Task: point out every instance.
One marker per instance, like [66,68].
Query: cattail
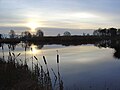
[31,49]
[25,47]
[18,54]
[13,48]
[13,54]
[58,70]
[9,46]
[57,58]
[44,60]
[10,54]
[2,47]
[35,57]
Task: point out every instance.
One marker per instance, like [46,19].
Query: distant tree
[118,32]
[39,33]
[0,36]
[12,34]
[40,46]
[100,31]
[112,31]
[66,33]
[88,34]
[105,32]
[58,34]
[96,33]
[26,34]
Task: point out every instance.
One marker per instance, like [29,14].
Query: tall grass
[16,75]
[3,52]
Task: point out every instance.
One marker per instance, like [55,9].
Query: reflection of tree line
[45,79]
[115,44]
[27,45]
[111,43]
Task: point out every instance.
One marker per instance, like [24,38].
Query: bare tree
[12,34]
[39,33]
[26,34]
[66,33]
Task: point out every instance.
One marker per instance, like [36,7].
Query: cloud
[61,13]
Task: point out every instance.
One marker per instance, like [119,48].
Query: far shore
[60,39]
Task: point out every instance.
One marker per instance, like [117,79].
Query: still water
[81,67]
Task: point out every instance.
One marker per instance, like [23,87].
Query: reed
[37,69]
[15,71]
[47,76]
[25,54]
[55,79]
[32,58]
[59,76]
[3,52]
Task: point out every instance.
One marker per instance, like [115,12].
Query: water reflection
[34,50]
[114,44]
[37,47]
[80,64]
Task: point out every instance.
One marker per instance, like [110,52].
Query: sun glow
[35,50]
[32,25]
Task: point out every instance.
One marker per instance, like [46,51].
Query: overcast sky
[77,14]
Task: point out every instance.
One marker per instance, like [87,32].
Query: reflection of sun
[33,49]
[32,25]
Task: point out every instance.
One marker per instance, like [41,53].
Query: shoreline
[61,39]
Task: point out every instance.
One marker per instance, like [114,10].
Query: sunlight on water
[34,50]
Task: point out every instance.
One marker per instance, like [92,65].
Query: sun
[32,25]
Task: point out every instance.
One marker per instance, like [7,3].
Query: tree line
[106,32]
[39,33]
[26,34]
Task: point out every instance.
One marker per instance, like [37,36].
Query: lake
[82,67]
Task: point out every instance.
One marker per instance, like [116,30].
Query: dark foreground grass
[16,75]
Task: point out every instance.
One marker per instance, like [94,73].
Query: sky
[73,14]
